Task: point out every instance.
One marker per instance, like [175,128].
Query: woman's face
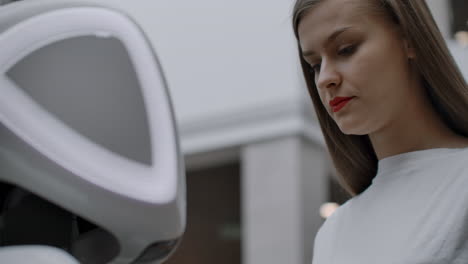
[357,54]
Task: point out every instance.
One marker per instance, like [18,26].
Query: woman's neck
[418,129]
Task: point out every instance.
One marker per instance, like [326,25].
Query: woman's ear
[410,52]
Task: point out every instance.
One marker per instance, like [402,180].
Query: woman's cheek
[324,103]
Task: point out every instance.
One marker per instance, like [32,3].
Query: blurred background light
[327,209]
[462,38]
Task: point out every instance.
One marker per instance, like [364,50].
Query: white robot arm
[88,141]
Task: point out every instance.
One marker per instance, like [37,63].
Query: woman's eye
[347,50]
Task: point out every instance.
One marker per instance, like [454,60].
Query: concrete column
[283,185]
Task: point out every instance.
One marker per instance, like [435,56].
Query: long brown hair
[353,155]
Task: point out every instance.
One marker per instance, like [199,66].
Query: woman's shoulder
[325,237]
[462,160]
[460,169]
[456,159]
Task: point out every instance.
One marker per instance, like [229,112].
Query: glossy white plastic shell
[138,203]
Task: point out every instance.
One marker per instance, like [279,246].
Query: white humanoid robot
[90,165]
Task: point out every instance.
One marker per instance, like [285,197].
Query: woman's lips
[340,105]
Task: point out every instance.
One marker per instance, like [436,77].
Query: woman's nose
[328,76]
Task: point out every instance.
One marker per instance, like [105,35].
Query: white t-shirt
[414,212]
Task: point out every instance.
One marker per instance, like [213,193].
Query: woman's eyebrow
[330,38]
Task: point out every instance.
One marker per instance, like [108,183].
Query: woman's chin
[352,130]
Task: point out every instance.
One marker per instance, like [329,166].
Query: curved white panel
[88,160]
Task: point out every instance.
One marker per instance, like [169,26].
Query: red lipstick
[339,102]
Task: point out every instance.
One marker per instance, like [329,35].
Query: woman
[393,108]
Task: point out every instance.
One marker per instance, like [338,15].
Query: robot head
[89,154]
